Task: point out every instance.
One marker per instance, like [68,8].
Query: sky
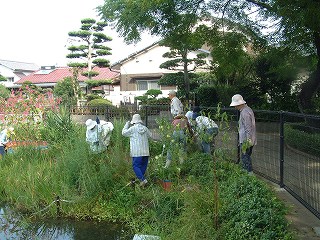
[36,31]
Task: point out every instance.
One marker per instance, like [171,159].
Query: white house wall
[150,60]
[9,73]
[116,96]
[146,62]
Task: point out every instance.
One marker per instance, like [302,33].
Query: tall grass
[96,187]
[68,169]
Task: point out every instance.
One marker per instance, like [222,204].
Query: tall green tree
[174,21]
[181,45]
[90,49]
[90,46]
[67,91]
[275,74]
[292,24]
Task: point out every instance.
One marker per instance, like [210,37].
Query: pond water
[14,226]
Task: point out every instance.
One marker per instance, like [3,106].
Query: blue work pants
[139,165]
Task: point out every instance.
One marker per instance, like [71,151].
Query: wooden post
[58,206]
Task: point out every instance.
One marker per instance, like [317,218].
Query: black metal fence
[287,153]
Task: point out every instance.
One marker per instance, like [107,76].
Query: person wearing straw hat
[247,131]
[139,146]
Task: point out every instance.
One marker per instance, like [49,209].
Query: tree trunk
[311,86]
[90,50]
[186,76]
[75,83]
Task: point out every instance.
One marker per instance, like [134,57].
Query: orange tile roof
[58,74]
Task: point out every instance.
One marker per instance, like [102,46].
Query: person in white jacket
[98,134]
[4,139]
[139,146]
[206,130]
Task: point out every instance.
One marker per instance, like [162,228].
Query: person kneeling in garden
[205,131]
[98,134]
[5,137]
[139,146]
[181,131]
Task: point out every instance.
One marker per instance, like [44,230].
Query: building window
[144,85]
[10,79]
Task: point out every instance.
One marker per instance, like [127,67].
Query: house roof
[57,74]
[135,54]
[19,74]
[19,66]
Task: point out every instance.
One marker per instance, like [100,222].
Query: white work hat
[90,124]
[172,92]
[136,119]
[237,100]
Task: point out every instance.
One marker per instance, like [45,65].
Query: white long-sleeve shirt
[139,142]
[205,123]
[99,137]
[3,137]
[176,106]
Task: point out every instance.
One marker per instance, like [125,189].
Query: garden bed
[12,145]
[210,198]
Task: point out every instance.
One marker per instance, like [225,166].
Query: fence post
[58,206]
[107,113]
[281,148]
[146,116]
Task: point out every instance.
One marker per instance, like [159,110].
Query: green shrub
[250,210]
[299,137]
[90,97]
[58,128]
[99,103]
[100,107]
[207,96]
[224,94]
[198,165]
[4,92]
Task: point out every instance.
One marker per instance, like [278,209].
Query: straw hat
[90,124]
[237,100]
[136,119]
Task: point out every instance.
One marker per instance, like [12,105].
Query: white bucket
[145,237]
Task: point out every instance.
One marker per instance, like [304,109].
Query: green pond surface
[14,226]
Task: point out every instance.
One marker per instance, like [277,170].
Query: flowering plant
[24,110]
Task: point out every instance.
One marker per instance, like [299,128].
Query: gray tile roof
[14,65]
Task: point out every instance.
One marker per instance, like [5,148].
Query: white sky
[36,31]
